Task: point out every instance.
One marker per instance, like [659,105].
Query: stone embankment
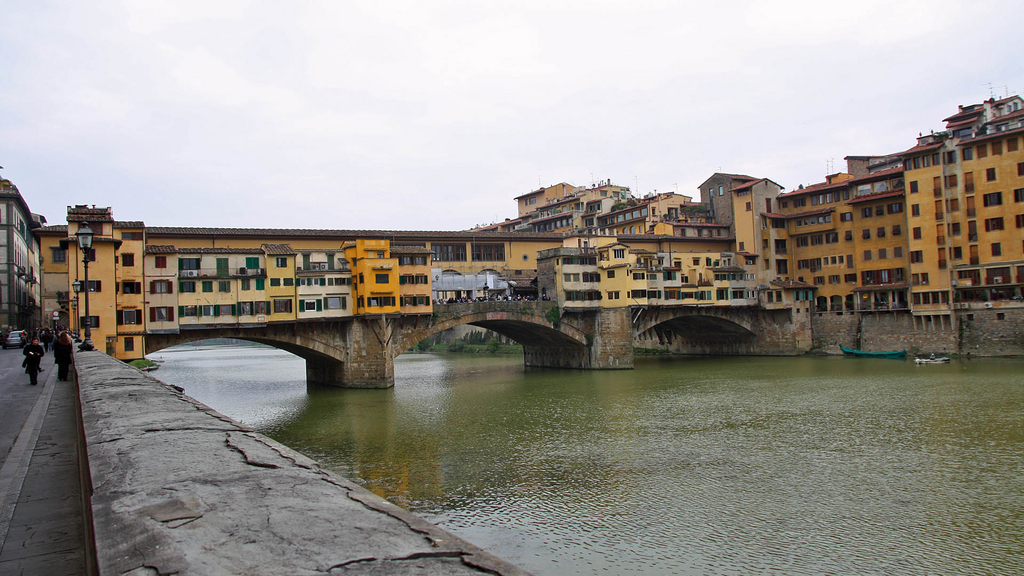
[181,489]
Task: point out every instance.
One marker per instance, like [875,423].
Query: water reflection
[709,466]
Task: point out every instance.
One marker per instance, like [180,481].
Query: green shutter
[305,261]
[216,310]
[270,309]
[199,310]
[261,283]
[234,310]
[181,264]
[401,279]
[181,311]
[252,262]
[319,306]
[344,303]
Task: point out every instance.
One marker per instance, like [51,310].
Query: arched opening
[706,329]
[836,303]
[821,304]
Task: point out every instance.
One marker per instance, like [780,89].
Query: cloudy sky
[434,115]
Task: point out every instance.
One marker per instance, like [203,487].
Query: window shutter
[325,303]
[152,287]
[99,284]
[181,310]
[120,317]
[181,264]
[152,314]
[199,310]
[319,306]
[270,310]
[170,313]
[234,309]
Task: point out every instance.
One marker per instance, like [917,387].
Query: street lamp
[84,236]
[77,287]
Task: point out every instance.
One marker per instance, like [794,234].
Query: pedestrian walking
[47,338]
[33,355]
[62,355]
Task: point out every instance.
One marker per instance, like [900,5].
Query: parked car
[16,339]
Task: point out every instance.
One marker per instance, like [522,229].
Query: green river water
[811,465]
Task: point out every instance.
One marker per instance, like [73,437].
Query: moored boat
[865,354]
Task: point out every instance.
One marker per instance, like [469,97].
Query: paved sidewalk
[40,494]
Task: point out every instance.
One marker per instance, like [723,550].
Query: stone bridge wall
[720,330]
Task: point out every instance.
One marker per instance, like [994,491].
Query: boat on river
[932,360]
[865,354]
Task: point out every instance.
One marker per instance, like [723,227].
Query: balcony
[221,272]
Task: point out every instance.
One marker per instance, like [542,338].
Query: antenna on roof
[991,93]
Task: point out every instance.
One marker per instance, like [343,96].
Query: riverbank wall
[976,331]
[178,488]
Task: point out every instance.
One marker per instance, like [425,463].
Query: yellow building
[102,285]
[374,276]
[280,290]
[414,279]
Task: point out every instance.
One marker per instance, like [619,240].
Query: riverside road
[40,495]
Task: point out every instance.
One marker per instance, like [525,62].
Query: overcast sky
[435,115]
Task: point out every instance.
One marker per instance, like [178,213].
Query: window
[281,261]
[867,255]
[882,254]
[161,314]
[95,285]
[982,151]
[131,287]
[993,224]
[381,278]
[990,174]
[187,286]
[275,281]
[127,259]
[611,273]
[613,294]
[997,249]
[992,199]
[997,148]
[128,317]
[206,310]
[282,306]
[880,232]
[252,261]
[913,187]
[449,252]
[489,252]
[916,256]
[866,212]
[967,153]
[207,285]
[897,252]
[849,235]
[336,303]
[160,262]
[188,311]
[866,234]
[748,206]
[915,209]
[129,344]
[846,217]
[896,230]
[161,287]
[951,181]
[288,281]
[58,255]
[245,284]
[619,252]
[224,286]
[261,283]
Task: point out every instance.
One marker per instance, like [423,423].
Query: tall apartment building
[20,267]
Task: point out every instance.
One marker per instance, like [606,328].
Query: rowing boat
[865,354]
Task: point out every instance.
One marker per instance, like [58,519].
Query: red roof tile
[876,196]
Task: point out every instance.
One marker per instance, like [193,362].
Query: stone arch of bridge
[525,328]
[310,347]
[704,323]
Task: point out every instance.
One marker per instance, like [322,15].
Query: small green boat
[863,354]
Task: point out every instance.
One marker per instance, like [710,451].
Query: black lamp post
[76,326]
[84,236]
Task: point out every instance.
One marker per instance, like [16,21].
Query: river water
[682,466]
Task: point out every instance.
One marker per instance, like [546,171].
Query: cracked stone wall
[181,489]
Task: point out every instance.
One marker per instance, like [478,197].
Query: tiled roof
[729,269]
[87,214]
[876,196]
[129,224]
[220,250]
[342,234]
[1010,116]
[55,229]
[699,224]
[746,185]
[160,249]
[987,137]
[921,148]
[878,175]
[819,187]
[410,250]
[278,249]
[727,175]
[974,111]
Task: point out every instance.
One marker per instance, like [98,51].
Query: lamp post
[77,287]
[84,236]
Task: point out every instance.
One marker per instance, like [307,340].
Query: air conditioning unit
[953,283]
[318,266]
[190,273]
[243,270]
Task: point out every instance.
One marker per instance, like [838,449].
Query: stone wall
[181,489]
[832,330]
[992,332]
[883,331]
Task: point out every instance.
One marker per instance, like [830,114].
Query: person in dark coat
[62,355]
[33,355]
